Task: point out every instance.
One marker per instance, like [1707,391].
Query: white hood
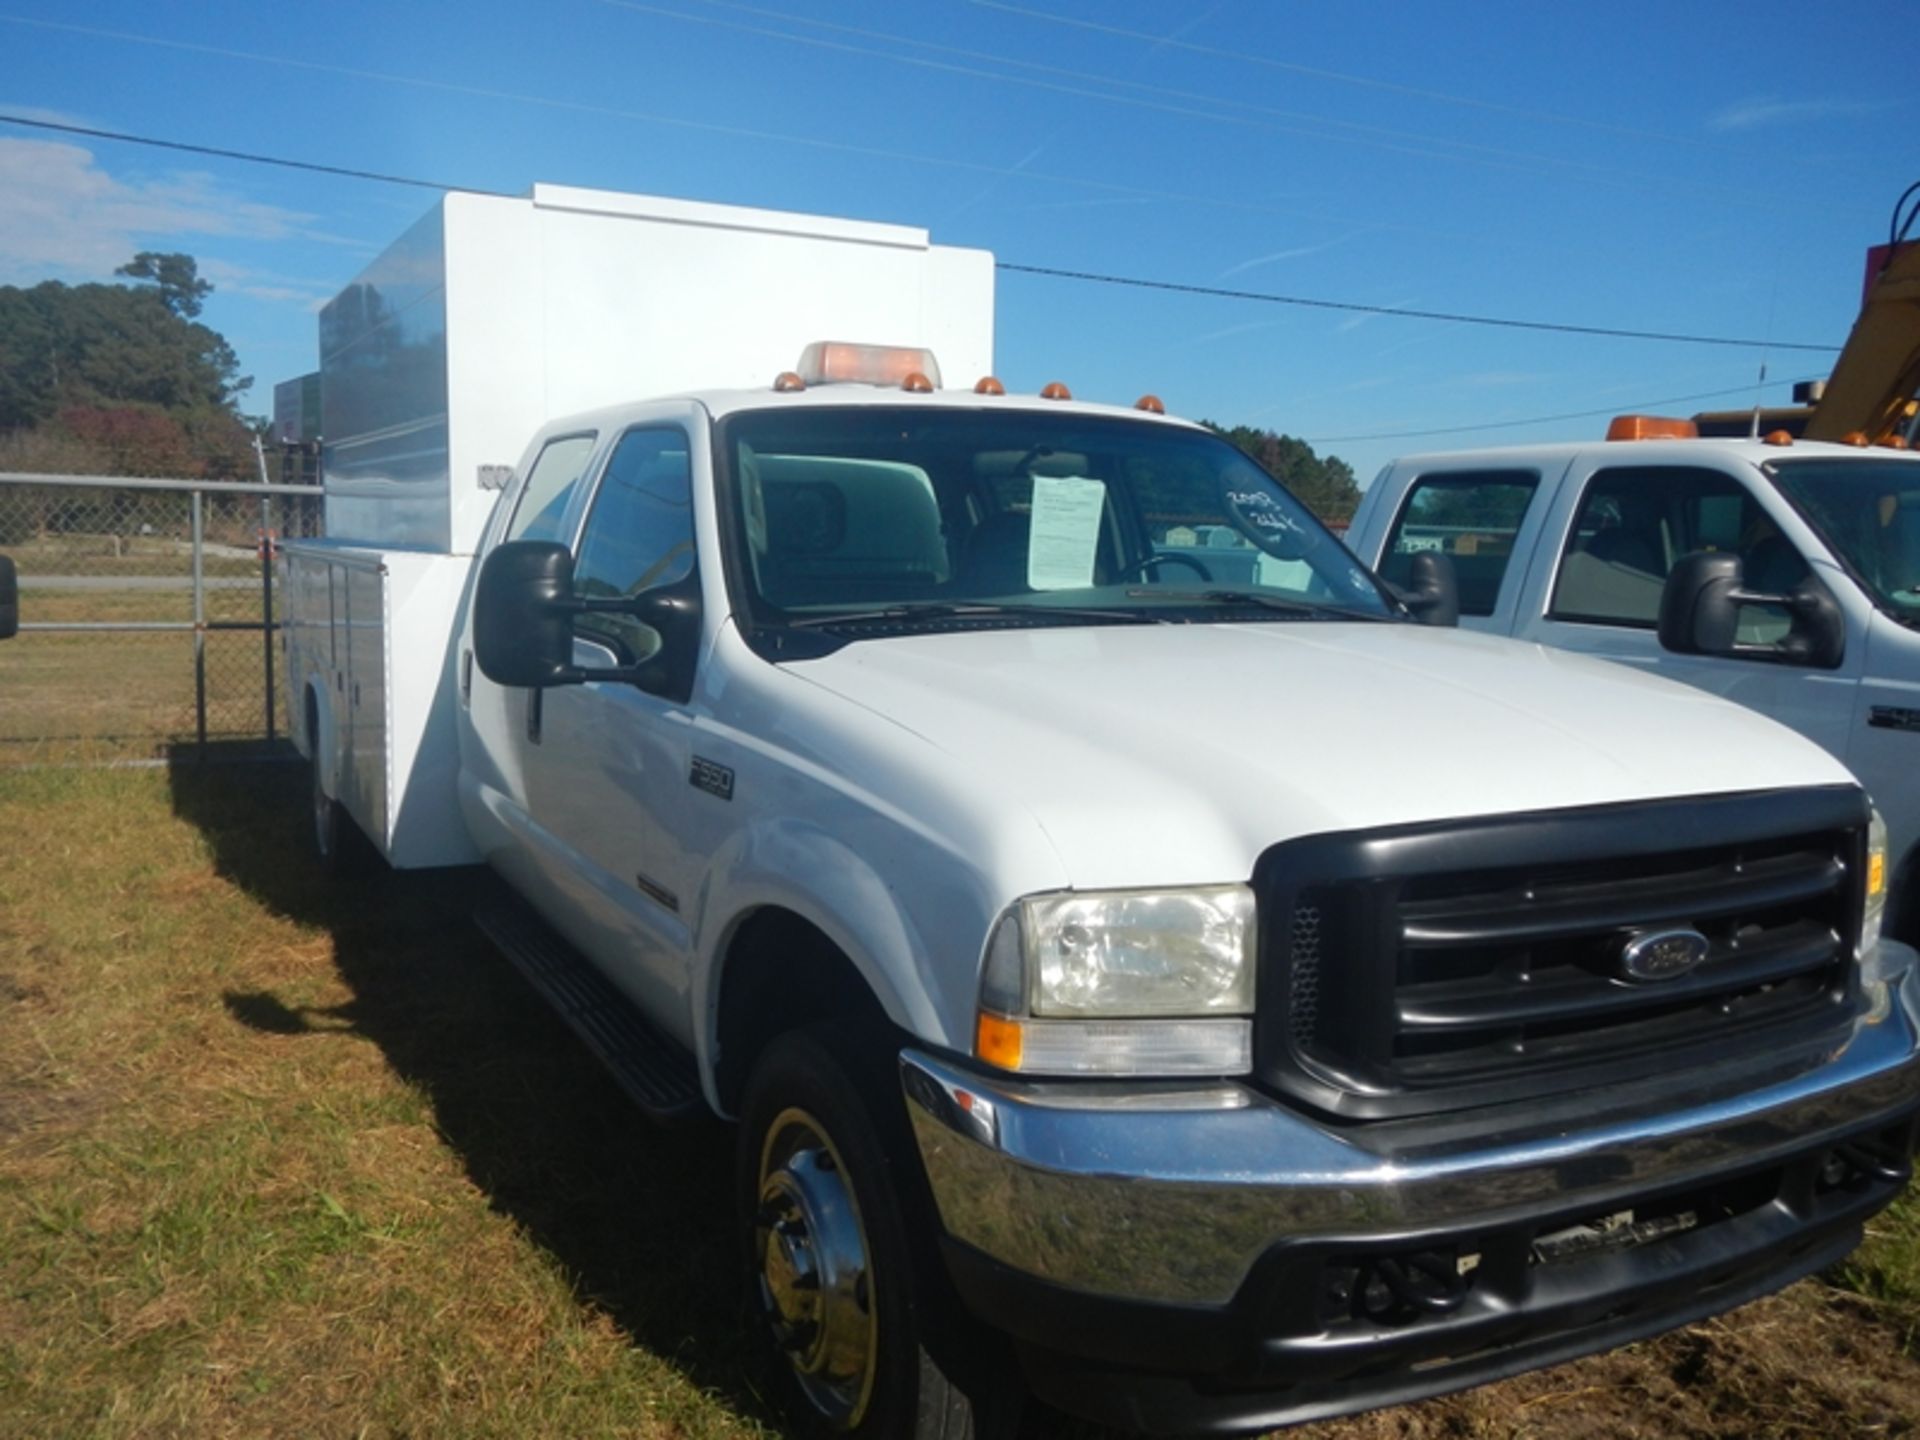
[1156,755]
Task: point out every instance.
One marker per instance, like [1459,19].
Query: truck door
[1613,535]
[607,765]
[497,718]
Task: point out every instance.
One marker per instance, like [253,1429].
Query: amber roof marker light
[1777,437]
[1651,427]
[787,382]
[1054,390]
[1151,404]
[988,385]
[917,383]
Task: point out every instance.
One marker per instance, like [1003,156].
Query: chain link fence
[147,615]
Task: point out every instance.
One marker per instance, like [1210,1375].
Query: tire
[339,847]
[843,1286]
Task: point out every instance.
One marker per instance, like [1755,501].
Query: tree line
[121,379]
[1324,485]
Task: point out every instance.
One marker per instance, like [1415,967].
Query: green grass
[277,1160]
[280,1158]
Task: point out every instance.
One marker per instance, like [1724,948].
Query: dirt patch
[34,1114]
[1808,1364]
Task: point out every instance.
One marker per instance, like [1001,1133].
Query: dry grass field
[278,1159]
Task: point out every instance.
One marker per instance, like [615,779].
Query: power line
[1404,313]
[1638,407]
[310,165]
[1051,272]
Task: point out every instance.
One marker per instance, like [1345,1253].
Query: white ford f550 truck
[1206,1002]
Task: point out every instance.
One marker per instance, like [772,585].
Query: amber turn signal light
[997,1041]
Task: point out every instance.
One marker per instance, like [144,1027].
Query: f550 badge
[712,777]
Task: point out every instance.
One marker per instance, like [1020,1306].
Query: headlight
[1876,883]
[1125,982]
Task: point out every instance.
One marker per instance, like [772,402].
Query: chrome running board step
[654,1070]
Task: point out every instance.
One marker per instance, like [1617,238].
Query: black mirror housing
[523,609]
[1432,591]
[1700,615]
[9,598]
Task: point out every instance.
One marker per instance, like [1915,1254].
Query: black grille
[1437,967]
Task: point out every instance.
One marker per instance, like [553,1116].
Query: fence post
[199,627]
[266,598]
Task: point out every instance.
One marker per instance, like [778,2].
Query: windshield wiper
[968,610]
[1305,608]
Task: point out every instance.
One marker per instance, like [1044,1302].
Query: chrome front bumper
[1171,1194]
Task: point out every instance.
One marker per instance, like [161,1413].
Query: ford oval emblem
[1662,954]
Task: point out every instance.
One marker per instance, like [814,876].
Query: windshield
[1868,512]
[948,517]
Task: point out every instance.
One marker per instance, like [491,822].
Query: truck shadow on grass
[640,1217]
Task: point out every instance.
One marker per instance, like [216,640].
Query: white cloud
[1761,110]
[66,218]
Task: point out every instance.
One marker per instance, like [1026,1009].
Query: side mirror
[1700,615]
[9,599]
[523,609]
[1432,591]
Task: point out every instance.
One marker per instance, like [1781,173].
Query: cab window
[1635,522]
[638,537]
[550,485]
[1472,518]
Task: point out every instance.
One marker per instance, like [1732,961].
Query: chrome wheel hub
[813,1269]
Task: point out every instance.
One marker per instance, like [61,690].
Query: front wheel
[833,1281]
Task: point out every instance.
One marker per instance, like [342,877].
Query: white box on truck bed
[487,318]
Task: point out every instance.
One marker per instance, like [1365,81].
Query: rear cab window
[1471,517]
[550,487]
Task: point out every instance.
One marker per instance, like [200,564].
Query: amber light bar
[829,362]
[1651,427]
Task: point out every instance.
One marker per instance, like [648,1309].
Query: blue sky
[1701,167]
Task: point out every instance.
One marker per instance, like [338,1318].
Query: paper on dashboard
[1065,531]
